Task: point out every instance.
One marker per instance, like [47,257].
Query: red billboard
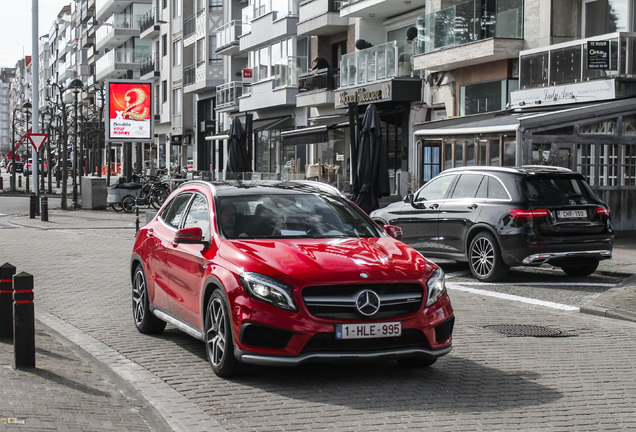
[129,111]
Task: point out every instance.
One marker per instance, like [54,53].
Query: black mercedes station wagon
[499,217]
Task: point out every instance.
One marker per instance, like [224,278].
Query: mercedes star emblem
[368,303]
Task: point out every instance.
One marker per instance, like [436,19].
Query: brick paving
[584,382]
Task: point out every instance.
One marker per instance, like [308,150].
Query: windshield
[291,216]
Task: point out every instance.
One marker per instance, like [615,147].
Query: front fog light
[436,287]
[268,290]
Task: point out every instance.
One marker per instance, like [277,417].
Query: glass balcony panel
[565,65]
[229,93]
[229,33]
[469,22]
[535,70]
[388,60]
[288,70]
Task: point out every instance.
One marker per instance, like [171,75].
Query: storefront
[597,140]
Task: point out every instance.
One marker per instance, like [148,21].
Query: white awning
[217,137]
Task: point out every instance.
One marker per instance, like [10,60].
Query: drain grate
[523,330]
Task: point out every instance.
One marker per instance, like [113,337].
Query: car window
[557,190]
[199,216]
[293,215]
[496,190]
[467,186]
[435,189]
[173,212]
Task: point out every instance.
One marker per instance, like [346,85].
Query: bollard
[6,300]
[27,184]
[1,183]
[137,213]
[32,207]
[23,321]
[45,209]
[19,181]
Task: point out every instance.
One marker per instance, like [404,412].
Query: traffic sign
[37,140]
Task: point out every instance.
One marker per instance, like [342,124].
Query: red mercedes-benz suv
[280,273]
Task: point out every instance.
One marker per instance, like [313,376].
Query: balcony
[106,8]
[227,96]
[149,25]
[202,77]
[227,38]
[564,73]
[378,63]
[189,75]
[149,67]
[265,27]
[116,30]
[116,62]
[317,88]
[319,18]
[379,9]
[467,35]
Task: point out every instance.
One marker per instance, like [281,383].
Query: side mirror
[393,231]
[191,235]
[409,198]
[418,205]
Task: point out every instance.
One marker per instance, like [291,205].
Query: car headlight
[268,290]
[436,287]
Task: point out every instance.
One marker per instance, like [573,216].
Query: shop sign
[364,95]
[564,94]
[598,55]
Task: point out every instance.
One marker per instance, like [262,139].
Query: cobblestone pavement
[581,381]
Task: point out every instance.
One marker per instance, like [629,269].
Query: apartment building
[6,75]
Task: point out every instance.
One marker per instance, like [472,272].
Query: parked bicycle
[142,191]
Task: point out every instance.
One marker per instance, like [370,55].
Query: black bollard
[23,321]
[137,213]
[27,184]
[32,206]
[19,182]
[6,300]
[45,209]
[1,183]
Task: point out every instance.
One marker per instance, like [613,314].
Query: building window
[629,165]
[200,51]
[430,161]
[164,91]
[608,16]
[485,96]
[214,57]
[216,5]
[176,8]
[176,101]
[164,43]
[176,53]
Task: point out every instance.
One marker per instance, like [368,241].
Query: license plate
[571,214]
[367,331]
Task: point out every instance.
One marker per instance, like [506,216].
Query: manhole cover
[522,330]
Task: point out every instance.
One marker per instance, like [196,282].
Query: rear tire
[158,197]
[581,269]
[484,259]
[219,343]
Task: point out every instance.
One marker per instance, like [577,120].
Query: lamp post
[75,86]
[26,108]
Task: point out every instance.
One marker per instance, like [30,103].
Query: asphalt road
[582,380]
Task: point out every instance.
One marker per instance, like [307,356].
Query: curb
[611,303]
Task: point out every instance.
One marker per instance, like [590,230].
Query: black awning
[269,123]
[304,136]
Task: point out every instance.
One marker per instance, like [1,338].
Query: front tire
[145,321]
[158,197]
[128,204]
[484,259]
[219,344]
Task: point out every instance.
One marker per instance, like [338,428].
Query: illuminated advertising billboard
[129,115]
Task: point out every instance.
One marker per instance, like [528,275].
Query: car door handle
[473,206]
[150,233]
[434,206]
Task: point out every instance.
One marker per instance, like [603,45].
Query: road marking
[539,283]
[511,297]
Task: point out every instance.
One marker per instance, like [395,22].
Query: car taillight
[528,214]
[602,211]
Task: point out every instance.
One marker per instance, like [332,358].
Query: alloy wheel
[482,257]
[139,297]
[216,332]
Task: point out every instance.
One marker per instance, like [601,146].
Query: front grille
[326,342]
[339,301]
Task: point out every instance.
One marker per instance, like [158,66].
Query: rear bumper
[542,258]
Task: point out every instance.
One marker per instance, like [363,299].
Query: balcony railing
[389,60]
[189,26]
[323,79]
[120,55]
[149,64]
[227,94]
[147,20]
[469,22]
[567,62]
[287,71]
[280,8]
[228,34]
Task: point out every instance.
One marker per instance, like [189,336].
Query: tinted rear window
[557,190]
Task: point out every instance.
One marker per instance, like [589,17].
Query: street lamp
[75,86]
